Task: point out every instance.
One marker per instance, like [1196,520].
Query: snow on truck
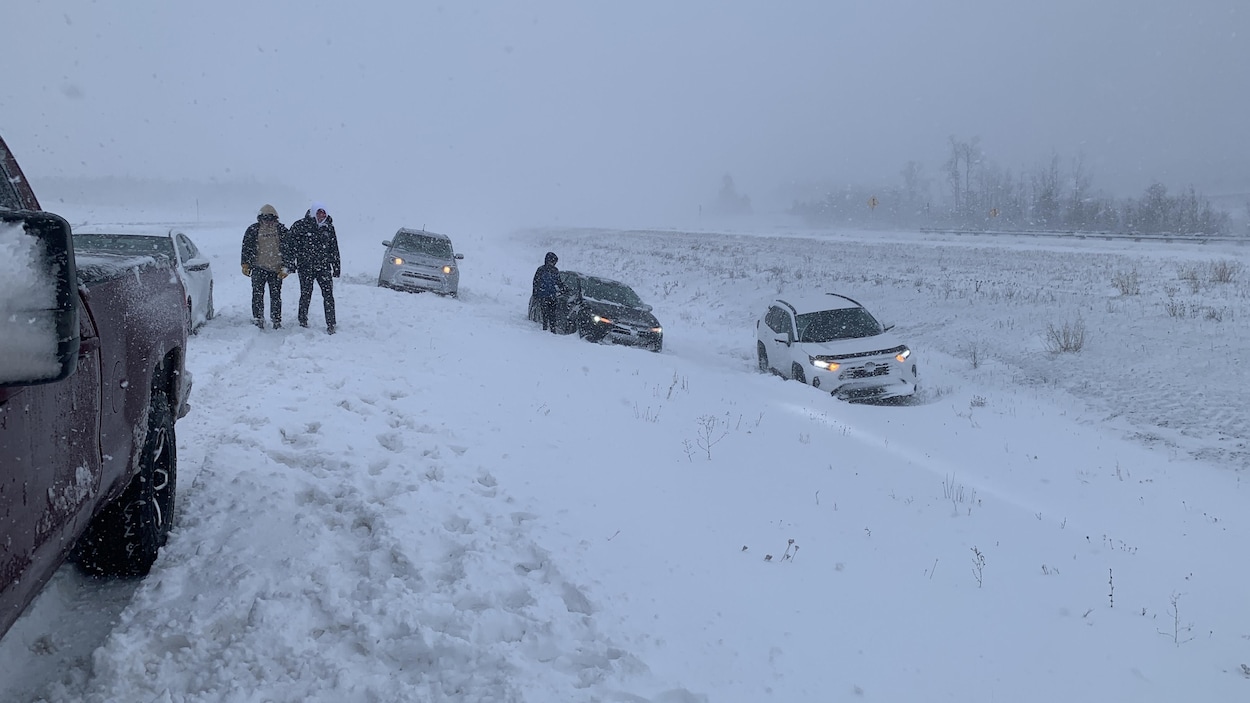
[91,384]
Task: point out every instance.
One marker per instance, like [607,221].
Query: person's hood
[312,212]
[550,259]
[266,209]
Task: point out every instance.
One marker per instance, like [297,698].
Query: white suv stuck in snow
[833,343]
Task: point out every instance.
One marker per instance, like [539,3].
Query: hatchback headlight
[446,269]
[902,356]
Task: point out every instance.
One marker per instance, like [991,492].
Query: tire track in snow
[344,556]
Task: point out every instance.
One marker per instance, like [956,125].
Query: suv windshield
[418,243]
[828,325]
[124,244]
[610,292]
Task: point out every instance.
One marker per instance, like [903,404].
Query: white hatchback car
[416,260]
[833,343]
[193,266]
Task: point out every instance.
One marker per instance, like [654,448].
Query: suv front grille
[865,372]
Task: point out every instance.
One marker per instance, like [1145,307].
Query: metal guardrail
[1074,234]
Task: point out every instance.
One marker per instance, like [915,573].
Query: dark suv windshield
[423,244]
[828,325]
[610,292]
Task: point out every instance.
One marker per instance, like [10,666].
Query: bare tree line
[972,192]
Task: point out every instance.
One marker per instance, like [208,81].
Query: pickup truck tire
[211,312]
[124,539]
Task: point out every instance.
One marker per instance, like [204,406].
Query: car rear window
[124,244]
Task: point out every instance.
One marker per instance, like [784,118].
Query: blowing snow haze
[561,111]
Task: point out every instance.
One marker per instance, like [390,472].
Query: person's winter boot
[258,322]
[329,329]
[277,324]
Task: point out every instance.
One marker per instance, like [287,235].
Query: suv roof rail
[847,297]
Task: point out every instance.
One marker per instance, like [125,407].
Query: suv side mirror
[38,299]
[459,256]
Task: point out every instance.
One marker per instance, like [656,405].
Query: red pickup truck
[91,383]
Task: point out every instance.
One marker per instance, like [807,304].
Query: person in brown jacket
[267,258]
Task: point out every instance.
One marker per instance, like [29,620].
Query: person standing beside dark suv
[316,247]
[266,259]
[547,290]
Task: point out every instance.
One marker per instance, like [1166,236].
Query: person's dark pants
[325,279]
[261,278]
[548,308]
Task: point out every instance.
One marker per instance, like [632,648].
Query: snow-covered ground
[443,503]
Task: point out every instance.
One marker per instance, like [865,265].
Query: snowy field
[443,503]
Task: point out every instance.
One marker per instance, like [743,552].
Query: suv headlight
[447,268]
[902,356]
[397,261]
[824,363]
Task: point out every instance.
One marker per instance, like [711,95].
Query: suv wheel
[762,355]
[796,372]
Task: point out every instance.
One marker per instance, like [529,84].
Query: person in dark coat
[267,259]
[547,290]
[316,247]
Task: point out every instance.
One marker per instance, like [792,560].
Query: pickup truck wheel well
[125,537]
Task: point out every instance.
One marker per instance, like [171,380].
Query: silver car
[417,260]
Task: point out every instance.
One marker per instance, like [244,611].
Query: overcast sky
[550,109]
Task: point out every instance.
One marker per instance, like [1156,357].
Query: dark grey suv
[603,310]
